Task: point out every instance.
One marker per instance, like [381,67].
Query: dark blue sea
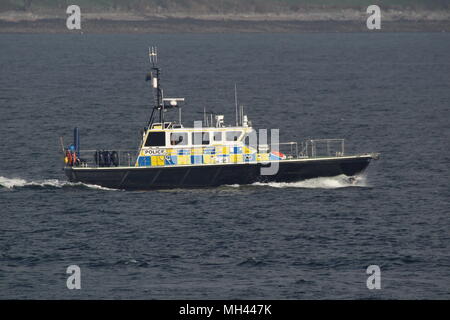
[382,92]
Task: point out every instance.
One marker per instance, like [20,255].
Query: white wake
[11,183]
[341,181]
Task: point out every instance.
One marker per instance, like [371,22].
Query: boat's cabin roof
[173,135]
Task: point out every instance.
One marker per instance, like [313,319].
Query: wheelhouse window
[233,135]
[179,138]
[199,138]
[156,139]
[217,136]
[250,139]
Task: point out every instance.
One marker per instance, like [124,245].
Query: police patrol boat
[208,154]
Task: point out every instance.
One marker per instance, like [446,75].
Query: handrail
[293,152]
[94,158]
[337,151]
[87,150]
[310,148]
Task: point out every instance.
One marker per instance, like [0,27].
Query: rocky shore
[314,21]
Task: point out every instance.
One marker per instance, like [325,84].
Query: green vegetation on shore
[215,6]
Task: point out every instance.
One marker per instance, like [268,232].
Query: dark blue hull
[191,176]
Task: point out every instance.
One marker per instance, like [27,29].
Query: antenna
[236,104]
[154,77]
[162,104]
[153,55]
[205,120]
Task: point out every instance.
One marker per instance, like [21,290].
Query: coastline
[319,21]
[180,25]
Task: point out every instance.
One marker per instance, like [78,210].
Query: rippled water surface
[314,239]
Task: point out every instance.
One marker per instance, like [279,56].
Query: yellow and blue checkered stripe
[206,155]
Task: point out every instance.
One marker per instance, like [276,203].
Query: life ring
[68,159]
[74,158]
[279,154]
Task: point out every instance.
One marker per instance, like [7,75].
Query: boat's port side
[210,153]
[192,176]
[174,155]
